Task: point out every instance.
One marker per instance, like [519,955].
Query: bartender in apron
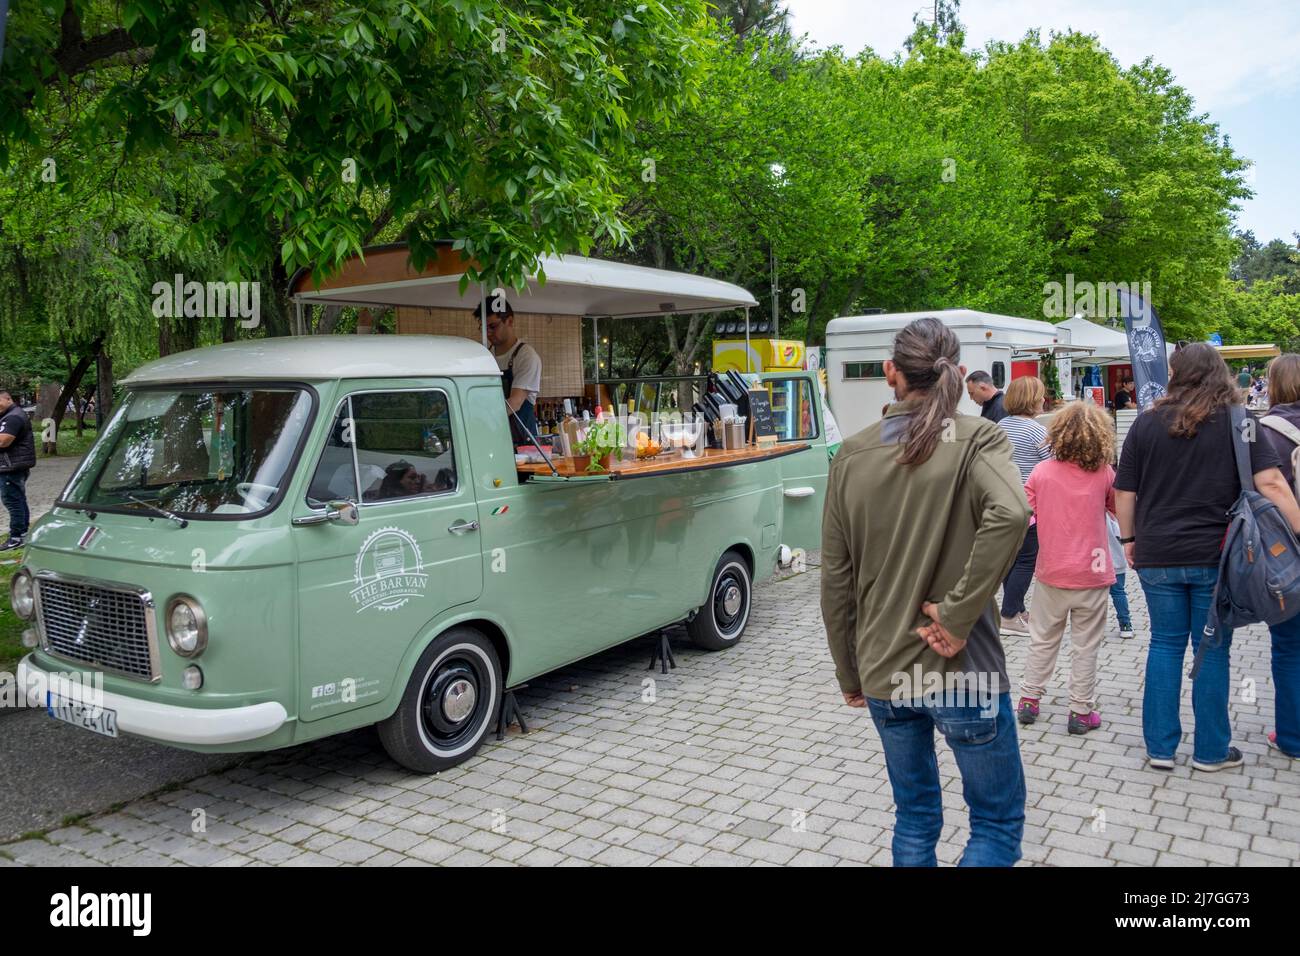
[521,366]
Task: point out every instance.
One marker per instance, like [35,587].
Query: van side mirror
[344,512]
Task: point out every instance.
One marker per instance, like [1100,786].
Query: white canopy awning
[574,285]
[1109,346]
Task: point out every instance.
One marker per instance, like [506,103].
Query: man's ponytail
[927,352]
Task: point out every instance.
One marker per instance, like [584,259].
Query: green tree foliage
[865,180]
[1264,312]
[945,177]
[938,24]
[1271,260]
[241,140]
[749,19]
[495,123]
[1131,183]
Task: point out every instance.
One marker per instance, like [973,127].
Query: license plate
[99,720]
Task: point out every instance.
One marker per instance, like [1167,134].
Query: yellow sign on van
[765,355]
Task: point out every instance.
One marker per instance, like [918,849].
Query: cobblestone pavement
[47,480]
[43,486]
[741,757]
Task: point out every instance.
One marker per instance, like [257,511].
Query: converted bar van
[277,540]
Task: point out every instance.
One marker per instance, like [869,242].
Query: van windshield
[194,451]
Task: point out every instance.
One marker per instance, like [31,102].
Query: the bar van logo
[389,571]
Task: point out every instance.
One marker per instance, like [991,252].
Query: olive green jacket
[895,536]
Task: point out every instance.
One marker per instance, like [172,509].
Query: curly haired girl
[1070,495]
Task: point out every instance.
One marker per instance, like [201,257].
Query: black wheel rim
[456,699]
[730,601]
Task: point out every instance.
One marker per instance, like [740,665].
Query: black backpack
[1259,569]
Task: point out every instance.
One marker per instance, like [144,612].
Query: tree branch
[76,54]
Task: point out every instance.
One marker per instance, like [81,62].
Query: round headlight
[22,595]
[187,626]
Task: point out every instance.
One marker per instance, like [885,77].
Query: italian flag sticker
[500,511]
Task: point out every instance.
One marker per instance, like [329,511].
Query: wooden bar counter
[630,467]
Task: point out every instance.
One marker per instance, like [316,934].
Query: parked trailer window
[861,370]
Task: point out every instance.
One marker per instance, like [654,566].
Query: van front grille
[101,626]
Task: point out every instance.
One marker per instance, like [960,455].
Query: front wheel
[720,621]
[449,704]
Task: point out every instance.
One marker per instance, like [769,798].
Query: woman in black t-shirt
[1177,479]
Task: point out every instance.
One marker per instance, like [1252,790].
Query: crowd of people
[929,512]
[1254,388]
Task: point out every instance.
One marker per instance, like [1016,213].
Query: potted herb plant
[596,450]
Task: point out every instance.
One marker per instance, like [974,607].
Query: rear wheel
[449,705]
[721,620]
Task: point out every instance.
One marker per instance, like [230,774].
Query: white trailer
[857,346]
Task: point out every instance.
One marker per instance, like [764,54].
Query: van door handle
[803,492]
[462,527]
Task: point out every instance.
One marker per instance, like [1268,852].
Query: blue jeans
[1178,600]
[13,494]
[1120,597]
[992,779]
[1286,685]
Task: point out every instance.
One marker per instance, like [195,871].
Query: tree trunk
[177,335]
[854,291]
[104,390]
[70,390]
[329,319]
[278,319]
[640,358]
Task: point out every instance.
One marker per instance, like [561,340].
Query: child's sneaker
[1160,763]
[1027,711]
[1082,723]
[1126,633]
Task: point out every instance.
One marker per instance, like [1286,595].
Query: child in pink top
[1070,495]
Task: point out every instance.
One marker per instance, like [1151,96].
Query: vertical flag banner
[1146,348]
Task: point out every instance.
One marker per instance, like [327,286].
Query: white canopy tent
[562,285]
[1109,346]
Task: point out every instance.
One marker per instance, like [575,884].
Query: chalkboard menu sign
[760,415]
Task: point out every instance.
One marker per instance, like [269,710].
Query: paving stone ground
[45,483]
[741,757]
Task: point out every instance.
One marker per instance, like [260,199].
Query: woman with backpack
[1281,430]
[1177,481]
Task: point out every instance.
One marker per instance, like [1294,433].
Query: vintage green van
[238,558]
